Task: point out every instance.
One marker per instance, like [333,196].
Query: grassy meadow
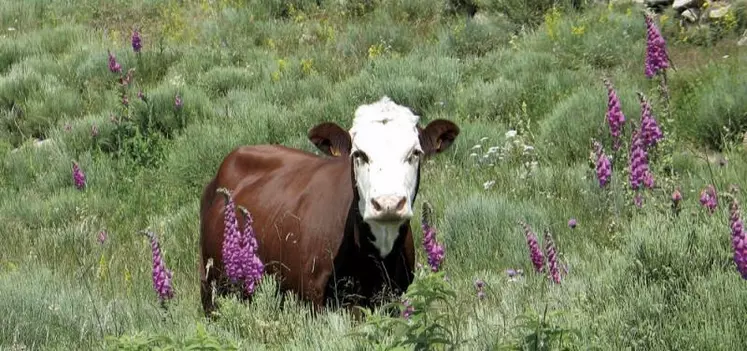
[522,80]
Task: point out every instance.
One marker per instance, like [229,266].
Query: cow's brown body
[310,232]
[300,204]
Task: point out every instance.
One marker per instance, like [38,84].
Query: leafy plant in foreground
[542,333]
[201,340]
[430,317]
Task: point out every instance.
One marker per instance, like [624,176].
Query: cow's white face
[385,146]
[385,154]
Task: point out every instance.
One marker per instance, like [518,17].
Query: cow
[329,225]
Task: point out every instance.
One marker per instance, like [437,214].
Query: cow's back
[299,203]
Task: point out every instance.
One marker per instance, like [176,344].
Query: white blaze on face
[386,153]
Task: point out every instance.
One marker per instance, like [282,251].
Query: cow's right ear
[331,139]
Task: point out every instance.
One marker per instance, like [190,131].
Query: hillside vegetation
[523,79]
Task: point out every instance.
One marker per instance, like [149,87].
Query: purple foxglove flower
[514,272]
[409,310]
[433,249]
[137,43]
[161,275]
[603,165]
[615,116]
[231,240]
[254,268]
[538,259]
[639,163]
[479,286]
[648,180]
[78,176]
[102,237]
[709,199]
[676,197]
[738,238]
[178,102]
[572,223]
[127,78]
[552,258]
[657,58]
[650,131]
[638,200]
[114,66]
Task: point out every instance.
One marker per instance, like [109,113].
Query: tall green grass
[265,72]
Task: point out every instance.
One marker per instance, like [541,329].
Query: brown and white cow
[329,226]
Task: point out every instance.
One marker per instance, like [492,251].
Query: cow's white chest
[384,237]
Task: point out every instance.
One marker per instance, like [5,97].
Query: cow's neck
[379,238]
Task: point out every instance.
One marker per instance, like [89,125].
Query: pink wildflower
[650,131]
[137,42]
[231,239]
[161,275]
[709,199]
[101,238]
[738,238]
[639,171]
[538,259]
[78,176]
[433,249]
[657,58]
[676,198]
[408,310]
[479,286]
[603,165]
[638,200]
[552,258]
[615,116]
[249,257]
[114,66]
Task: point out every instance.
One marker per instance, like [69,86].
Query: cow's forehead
[384,125]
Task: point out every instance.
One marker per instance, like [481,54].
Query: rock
[38,142]
[682,5]
[658,5]
[480,18]
[659,2]
[718,12]
[691,15]
[742,42]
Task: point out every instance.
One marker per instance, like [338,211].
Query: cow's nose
[389,207]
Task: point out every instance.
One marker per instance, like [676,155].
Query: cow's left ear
[331,139]
[437,136]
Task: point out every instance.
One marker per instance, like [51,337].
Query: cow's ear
[437,136]
[331,139]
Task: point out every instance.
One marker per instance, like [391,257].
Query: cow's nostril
[401,203]
[375,205]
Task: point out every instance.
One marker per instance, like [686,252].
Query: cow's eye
[360,156]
